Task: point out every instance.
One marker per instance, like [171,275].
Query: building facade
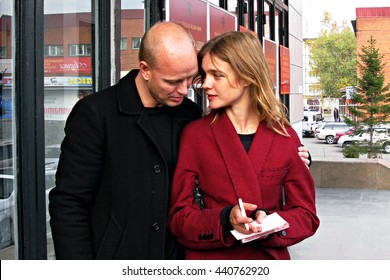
[374,22]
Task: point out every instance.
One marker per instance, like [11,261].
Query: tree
[333,57]
[372,97]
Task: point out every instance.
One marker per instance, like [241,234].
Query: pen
[243,211]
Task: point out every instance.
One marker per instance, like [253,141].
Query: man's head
[167,62]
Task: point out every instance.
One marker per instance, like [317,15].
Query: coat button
[283,233]
[157,169]
[156,226]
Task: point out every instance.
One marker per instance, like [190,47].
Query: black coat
[112,183]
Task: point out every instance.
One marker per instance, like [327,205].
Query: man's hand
[303,152]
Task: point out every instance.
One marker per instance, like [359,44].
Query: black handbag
[198,195]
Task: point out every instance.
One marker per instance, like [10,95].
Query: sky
[313,10]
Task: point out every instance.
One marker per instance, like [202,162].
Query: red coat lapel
[238,164]
[261,146]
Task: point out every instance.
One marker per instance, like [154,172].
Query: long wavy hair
[243,52]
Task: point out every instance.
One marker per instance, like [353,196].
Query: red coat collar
[242,167]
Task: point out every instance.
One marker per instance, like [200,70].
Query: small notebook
[272,223]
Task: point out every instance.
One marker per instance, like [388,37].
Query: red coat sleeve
[194,228]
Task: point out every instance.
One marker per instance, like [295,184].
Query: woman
[244,148]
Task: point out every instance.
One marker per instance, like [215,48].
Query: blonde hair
[243,52]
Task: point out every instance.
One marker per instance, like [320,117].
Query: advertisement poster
[284,70]
[71,66]
[270,56]
[58,104]
[221,21]
[193,15]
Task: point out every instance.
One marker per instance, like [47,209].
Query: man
[119,153]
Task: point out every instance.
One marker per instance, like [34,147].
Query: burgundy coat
[215,154]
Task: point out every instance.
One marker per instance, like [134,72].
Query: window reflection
[132,29]
[267,24]
[7,135]
[67,76]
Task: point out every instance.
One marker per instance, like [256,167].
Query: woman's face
[221,84]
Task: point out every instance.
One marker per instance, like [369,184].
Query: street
[319,149]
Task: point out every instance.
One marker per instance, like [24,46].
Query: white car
[328,131]
[381,135]
[7,202]
[311,120]
[52,154]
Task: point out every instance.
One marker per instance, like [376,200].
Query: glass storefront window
[7,134]
[277,21]
[132,29]
[256,15]
[267,25]
[68,73]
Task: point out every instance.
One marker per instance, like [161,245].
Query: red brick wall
[130,28]
[379,28]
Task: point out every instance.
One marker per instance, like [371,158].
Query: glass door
[68,72]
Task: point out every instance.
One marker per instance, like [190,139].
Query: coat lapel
[260,147]
[241,167]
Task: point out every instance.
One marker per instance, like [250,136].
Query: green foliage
[372,96]
[353,151]
[333,57]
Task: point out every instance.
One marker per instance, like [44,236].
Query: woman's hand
[238,221]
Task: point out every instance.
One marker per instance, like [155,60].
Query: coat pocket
[111,241]
[280,172]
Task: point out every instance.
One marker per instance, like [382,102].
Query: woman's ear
[244,83]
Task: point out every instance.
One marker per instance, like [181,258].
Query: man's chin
[174,102]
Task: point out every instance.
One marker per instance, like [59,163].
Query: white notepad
[271,223]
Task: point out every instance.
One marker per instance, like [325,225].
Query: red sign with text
[193,15]
[284,70]
[68,66]
[270,56]
[221,21]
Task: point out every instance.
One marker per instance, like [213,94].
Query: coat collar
[130,103]
[128,97]
[243,168]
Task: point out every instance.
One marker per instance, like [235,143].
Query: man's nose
[183,87]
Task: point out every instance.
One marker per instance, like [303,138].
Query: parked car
[6,157]
[380,135]
[7,206]
[6,210]
[7,197]
[341,133]
[52,154]
[311,120]
[328,131]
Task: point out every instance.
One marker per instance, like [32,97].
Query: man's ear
[145,70]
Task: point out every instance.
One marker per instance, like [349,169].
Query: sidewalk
[355,225]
